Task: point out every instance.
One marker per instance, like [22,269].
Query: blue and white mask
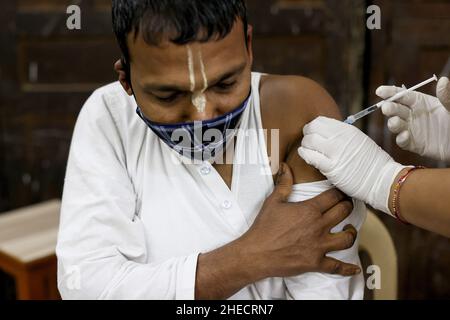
[199,140]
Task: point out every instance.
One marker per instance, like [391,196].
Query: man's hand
[286,239]
[289,239]
[421,122]
[350,160]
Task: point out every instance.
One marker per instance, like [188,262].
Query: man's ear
[250,43]
[123,79]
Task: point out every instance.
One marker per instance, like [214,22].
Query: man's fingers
[397,125]
[338,213]
[333,266]
[342,240]
[403,139]
[392,109]
[285,180]
[326,200]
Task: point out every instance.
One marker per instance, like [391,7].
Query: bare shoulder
[288,103]
[297,98]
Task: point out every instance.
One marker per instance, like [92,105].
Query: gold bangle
[396,196]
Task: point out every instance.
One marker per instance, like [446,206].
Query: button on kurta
[205,170]
[226,204]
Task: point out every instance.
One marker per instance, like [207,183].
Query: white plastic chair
[376,241]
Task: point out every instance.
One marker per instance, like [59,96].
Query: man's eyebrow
[227,75]
[148,87]
[162,88]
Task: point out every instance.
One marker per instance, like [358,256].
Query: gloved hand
[421,122]
[443,92]
[350,160]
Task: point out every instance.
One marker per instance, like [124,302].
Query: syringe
[353,118]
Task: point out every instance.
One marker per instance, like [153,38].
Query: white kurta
[134,220]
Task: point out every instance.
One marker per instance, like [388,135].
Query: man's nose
[211,111]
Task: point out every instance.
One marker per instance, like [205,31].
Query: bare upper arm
[316,102]
[302,100]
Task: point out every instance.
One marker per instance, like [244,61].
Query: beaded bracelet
[396,196]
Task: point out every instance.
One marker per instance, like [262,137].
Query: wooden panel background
[47,72]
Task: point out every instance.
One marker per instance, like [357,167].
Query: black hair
[179,21]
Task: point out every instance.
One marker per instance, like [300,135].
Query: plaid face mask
[199,140]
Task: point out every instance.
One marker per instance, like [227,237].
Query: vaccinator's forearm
[425,199]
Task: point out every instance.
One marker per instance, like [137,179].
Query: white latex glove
[443,92]
[350,160]
[421,122]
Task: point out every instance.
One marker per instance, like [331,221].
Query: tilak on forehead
[198,97]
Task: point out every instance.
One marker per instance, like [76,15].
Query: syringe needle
[353,118]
